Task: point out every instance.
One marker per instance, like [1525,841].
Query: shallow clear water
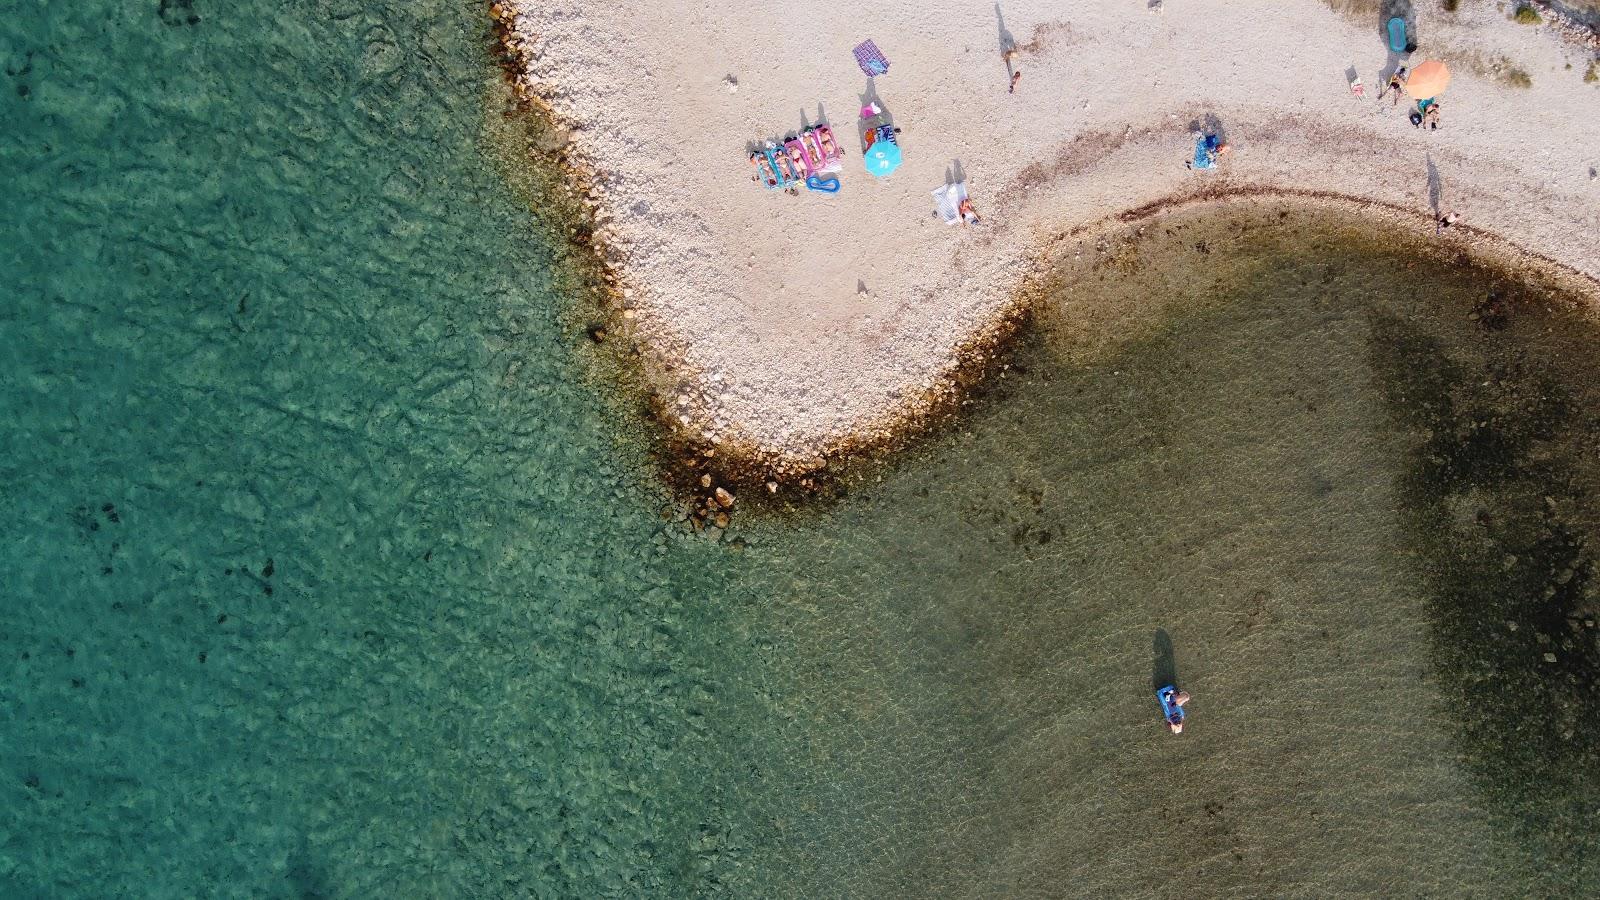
[328,573]
[1219,459]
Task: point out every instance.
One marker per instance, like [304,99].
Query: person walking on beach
[1397,85]
[1445,221]
[1010,56]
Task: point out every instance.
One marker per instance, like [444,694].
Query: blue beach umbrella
[883,158]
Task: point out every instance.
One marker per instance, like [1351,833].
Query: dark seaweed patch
[1496,510]
[176,13]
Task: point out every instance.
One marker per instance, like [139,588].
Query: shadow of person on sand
[1209,124]
[806,120]
[954,173]
[1435,189]
[1008,46]
[1007,42]
[1165,669]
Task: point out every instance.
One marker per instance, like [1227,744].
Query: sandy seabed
[781,329]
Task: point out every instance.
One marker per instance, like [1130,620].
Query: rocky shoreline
[705,446]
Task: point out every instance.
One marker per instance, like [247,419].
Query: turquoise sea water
[325,572]
[328,572]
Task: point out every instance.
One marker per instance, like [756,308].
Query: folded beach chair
[948,200]
[871,59]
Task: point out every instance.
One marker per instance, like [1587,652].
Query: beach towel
[1205,151]
[948,200]
[871,59]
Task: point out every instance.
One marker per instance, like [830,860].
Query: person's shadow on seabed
[1165,669]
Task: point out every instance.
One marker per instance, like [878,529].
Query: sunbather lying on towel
[830,150]
[761,174]
[797,157]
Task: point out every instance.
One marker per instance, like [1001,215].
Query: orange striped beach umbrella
[1428,80]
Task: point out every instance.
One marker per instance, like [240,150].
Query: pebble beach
[782,329]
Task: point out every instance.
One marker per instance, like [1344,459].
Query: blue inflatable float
[828,185]
[1397,35]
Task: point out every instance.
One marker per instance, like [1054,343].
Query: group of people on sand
[1426,115]
[811,152]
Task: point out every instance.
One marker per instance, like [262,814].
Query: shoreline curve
[706,440]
